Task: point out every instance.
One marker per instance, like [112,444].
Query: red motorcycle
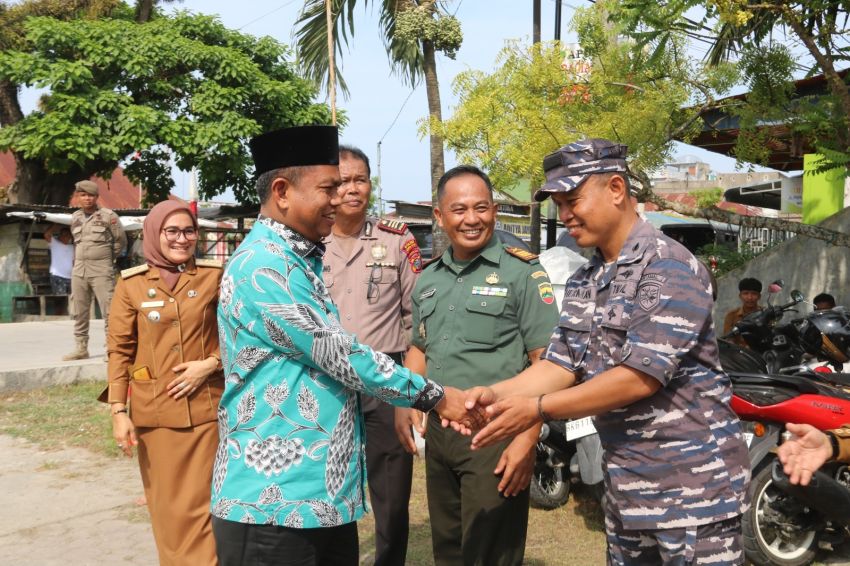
[786,525]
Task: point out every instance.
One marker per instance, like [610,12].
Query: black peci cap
[290,147]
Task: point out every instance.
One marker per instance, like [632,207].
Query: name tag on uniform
[152,304]
[490,291]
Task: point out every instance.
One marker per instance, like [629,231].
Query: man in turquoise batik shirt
[289,478]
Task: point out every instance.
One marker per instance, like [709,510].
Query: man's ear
[438,215]
[619,189]
[281,193]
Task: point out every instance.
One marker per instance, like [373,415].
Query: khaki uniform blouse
[151,330]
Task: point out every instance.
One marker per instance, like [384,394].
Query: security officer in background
[370,268]
[98,241]
[481,313]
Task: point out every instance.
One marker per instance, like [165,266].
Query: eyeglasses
[173,234]
[373,290]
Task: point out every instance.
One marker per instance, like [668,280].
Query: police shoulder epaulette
[394,226]
[125,273]
[209,263]
[522,254]
[426,263]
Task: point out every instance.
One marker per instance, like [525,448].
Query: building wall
[812,266]
[12,279]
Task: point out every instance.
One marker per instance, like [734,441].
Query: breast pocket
[615,325]
[381,287]
[77,233]
[483,315]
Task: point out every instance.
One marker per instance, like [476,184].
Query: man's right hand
[405,421]
[452,409]
[804,453]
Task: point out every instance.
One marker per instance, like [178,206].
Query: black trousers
[390,474]
[241,544]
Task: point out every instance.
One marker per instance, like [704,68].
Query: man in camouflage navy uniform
[481,312]
[636,348]
[98,241]
[370,268]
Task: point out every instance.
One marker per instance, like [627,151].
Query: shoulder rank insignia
[208,263]
[393,226]
[520,253]
[125,273]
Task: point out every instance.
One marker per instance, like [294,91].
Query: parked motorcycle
[772,346]
[782,527]
[568,452]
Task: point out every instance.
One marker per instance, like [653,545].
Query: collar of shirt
[641,236]
[491,252]
[299,244]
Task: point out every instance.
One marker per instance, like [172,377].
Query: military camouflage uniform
[676,466]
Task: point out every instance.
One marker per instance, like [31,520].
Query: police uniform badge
[379,251]
[492,279]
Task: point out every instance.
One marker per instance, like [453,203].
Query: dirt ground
[70,507]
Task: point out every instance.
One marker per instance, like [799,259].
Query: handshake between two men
[477,411]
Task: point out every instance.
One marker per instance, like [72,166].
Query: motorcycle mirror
[775,286]
[779,283]
[797,296]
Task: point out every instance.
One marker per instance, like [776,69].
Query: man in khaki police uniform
[98,240]
[370,268]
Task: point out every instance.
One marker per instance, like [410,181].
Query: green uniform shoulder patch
[209,263]
[392,226]
[522,254]
[125,273]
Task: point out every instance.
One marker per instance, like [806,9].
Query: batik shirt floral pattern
[291,434]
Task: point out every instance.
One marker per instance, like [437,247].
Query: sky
[380,107]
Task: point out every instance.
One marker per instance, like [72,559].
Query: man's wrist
[833,444]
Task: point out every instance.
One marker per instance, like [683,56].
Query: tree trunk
[144,10]
[10,108]
[34,185]
[438,165]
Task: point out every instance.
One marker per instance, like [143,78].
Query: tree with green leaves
[773,41]
[507,121]
[413,32]
[181,89]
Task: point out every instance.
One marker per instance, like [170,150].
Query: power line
[281,7]
[397,115]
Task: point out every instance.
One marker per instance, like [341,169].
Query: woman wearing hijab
[163,339]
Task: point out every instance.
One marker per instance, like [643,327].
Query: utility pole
[534,227]
[552,216]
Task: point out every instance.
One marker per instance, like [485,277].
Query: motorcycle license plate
[579,428]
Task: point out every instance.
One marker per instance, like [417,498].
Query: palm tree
[412,55]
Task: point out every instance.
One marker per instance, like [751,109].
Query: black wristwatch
[833,441]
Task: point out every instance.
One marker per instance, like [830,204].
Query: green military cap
[87,186]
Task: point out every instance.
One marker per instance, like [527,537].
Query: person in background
[808,449]
[370,268]
[749,291]
[823,302]
[163,339]
[99,239]
[61,258]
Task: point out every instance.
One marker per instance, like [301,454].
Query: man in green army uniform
[481,313]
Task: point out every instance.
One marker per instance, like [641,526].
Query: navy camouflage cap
[573,164]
